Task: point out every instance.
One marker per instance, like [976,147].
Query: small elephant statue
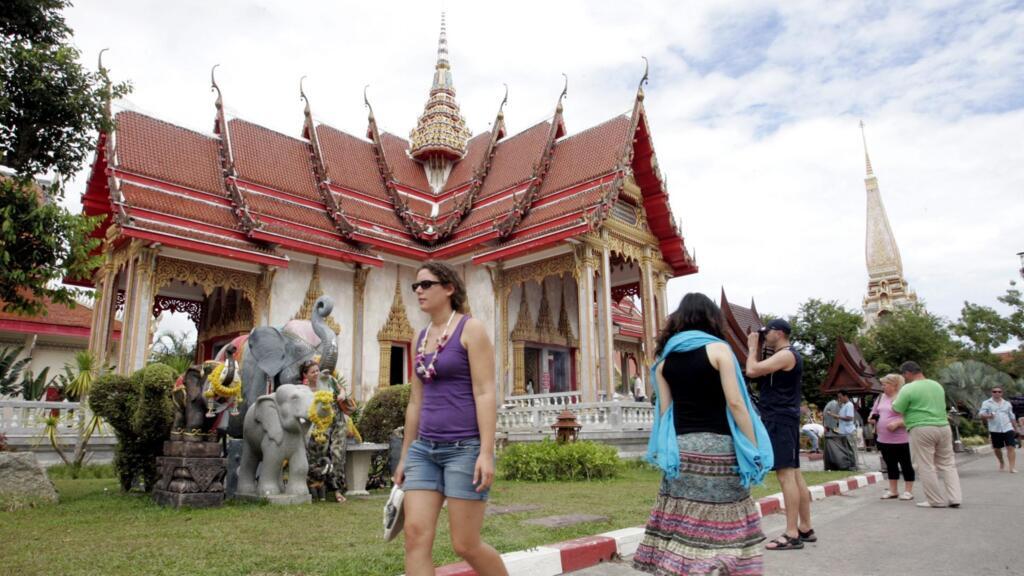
[275,430]
[192,418]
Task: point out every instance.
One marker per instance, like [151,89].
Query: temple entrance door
[398,374]
[531,370]
[558,369]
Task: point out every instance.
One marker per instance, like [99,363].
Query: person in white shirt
[639,392]
[1002,428]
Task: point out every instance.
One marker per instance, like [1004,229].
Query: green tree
[50,107]
[970,382]
[985,329]
[174,350]
[908,334]
[10,370]
[816,326]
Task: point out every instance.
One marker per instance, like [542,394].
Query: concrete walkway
[860,535]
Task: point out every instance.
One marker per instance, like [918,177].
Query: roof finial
[100,65]
[366,102]
[501,107]
[643,80]
[442,44]
[565,90]
[867,159]
[302,95]
[213,86]
[108,93]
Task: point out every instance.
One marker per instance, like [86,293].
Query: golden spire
[867,159]
[441,131]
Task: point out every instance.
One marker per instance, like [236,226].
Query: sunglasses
[425,284]
[997,391]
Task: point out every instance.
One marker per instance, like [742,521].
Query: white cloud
[753,106]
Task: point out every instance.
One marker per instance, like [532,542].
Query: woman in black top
[704,520]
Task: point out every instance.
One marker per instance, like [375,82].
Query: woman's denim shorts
[445,467]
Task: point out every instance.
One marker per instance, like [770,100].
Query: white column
[586,353]
[647,302]
[605,336]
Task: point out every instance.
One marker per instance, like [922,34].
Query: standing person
[846,417]
[780,408]
[711,447]
[1002,428]
[448,450]
[893,440]
[922,402]
[639,393]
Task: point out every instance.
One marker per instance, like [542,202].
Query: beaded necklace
[428,372]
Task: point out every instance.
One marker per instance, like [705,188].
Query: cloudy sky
[754,107]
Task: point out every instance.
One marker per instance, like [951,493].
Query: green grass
[98,530]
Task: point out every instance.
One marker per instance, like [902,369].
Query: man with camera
[779,385]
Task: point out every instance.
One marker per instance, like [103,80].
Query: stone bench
[357,466]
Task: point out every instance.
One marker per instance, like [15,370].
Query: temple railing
[562,399]
[593,416]
[28,418]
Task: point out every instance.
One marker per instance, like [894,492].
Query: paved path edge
[554,559]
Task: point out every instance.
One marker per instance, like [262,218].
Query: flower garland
[217,388]
[428,372]
[325,399]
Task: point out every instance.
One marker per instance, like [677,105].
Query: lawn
[98,530]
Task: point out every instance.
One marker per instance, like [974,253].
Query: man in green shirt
[922,402]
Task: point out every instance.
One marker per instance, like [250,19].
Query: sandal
[785,542]
[808,536]
[340,497]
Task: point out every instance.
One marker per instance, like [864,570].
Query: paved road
[860,535]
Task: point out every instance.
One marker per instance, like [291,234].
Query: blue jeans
[445,467]
[814,438]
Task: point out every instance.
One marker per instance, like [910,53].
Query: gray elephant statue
[193,420]
[273,356]
[276,426]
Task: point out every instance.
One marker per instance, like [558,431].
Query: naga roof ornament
[441,130]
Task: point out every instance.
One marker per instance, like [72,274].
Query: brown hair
[696,312]
[448,277]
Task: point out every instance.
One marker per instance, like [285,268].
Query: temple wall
[380,293]
[289,292]
[482,300]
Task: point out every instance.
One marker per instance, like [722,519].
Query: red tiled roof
[272,159]
[155,148]
[514,159]
[487,213]
[58,314]
[562,207]
[581,157]
[462,172]
[179,205]
[311,237]
[291,211]
[350,162]
[215,240]
[404,169]
[373,213]
[746,318]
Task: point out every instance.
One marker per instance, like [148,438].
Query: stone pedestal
[191,474]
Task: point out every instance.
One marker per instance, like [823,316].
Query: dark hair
[910,367]
[695,312]
[448,277]
[306,365]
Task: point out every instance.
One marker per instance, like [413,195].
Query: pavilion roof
[737,323]
[57,319]
[850,372]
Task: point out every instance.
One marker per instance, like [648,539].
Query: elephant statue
[275,430]
[193,419]
[273,356]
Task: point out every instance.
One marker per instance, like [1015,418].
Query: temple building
[887,289]
[565,241]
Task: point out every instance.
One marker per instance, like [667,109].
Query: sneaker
[906,496]
[888,495]
[927,504]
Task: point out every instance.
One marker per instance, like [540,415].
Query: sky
[754,107]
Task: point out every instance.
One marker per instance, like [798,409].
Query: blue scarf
[663,447]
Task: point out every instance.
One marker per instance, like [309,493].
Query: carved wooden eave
[609,194]
[522,205]
[341,223]
[397,327]
[523,329]
[313,292]
[735,333]
[220,127]
[479,175]
[850,373]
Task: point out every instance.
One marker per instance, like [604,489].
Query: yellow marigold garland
[321,423]
[218,389]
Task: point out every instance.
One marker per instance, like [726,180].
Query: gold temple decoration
[536,271]
[314,291]
[563,322]
[441,135]
[397,327]
[205,276]
[523,329]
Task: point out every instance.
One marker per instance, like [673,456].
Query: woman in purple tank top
[448,452]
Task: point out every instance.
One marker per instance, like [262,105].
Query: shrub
[383,413]
[975,440]
[547,461]
[140,411]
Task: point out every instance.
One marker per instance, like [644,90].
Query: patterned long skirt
[704,520]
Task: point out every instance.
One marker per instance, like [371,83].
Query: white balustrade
[539,411]
[24,417]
